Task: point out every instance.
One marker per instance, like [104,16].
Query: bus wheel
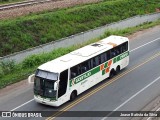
[112,73]
[118,69]
[73,95]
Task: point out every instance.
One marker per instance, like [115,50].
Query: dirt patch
[11,88]
[21,11]
[139,33]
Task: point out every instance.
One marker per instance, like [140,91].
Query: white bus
[63,78]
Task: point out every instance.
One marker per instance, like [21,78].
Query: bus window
[85,66]
[124,47]
[92,64]
[118,50]
[113,52]
[108,55]
[96,61]
[103,57]
[75,71]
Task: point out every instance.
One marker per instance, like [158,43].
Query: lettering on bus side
[84,76]
[80,78]
[122,56]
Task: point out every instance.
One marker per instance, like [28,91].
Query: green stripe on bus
[114,60]
[103,72]
[106,65]
[84,76]
[120,57]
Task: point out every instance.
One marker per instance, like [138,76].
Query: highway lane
[114,94]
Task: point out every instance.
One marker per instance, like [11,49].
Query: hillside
[36,29]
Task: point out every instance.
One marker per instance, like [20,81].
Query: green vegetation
[11,72]
[35,29]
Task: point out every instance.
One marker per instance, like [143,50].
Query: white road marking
[145,44]
[132,97]
[22,105]
[130,51]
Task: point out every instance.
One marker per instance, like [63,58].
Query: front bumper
[46,101]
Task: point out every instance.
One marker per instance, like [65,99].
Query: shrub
[31,61]
[7,67]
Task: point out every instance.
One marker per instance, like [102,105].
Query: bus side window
[74,72]
[92,64]
[73,75]
[124,47]
[113,52]
[89,64]
[108,55]
[103,57]
[118,50]
[85,66]
[95,62]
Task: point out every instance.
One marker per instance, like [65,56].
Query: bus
[64,78]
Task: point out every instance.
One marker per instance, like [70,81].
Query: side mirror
[31,78]
[56,85]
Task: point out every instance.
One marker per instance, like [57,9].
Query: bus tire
[112,73]
[73,95]
[118,69]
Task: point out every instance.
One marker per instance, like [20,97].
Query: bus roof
[78,56]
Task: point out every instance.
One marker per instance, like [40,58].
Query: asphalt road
[131,90]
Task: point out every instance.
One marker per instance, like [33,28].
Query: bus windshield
[44,84]
[44,87]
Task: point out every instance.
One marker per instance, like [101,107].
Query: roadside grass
[36,29]
[11,72]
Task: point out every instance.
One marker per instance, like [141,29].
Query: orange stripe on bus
[102,67]
[113,44]
[109,63]
[107,70]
